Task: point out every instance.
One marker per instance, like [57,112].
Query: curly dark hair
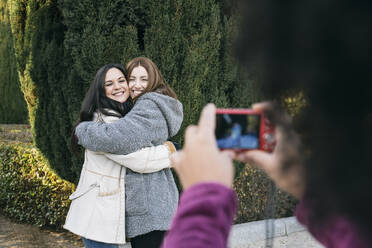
[323,48]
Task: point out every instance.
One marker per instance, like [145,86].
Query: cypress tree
[12,104]
[39,34]
[21,31]
[98,32]
[60,44]
[185,40]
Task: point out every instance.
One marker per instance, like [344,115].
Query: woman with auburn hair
[151,199]
[154,82]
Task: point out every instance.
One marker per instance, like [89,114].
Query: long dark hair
[96,100]
[323,49]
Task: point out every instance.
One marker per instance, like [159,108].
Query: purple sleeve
[335,231]
[204,217]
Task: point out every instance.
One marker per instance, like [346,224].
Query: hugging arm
[145,120]
[146,160]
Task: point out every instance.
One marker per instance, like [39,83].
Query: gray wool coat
[151,199]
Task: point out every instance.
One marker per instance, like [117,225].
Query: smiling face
[138,81]
[116,86]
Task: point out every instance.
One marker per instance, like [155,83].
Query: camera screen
[237,131]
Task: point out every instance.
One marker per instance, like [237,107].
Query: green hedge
[252,187]
[12,104]
[60,44]
[29,191]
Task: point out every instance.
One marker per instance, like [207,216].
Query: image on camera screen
[237,131]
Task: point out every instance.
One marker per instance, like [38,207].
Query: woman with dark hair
[322,157]
[98,204]
[151,199]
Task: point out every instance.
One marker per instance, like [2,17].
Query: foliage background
[56,47]
[32,194]
[12,104]
[60,44]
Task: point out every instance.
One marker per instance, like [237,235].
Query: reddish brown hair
[155,79]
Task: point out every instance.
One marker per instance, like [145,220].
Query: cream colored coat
[97,210]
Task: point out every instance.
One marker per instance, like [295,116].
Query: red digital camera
[243,129]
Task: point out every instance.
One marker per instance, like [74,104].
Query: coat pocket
[136,202]
[82,191]
[109,186]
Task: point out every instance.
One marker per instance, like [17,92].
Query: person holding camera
[322,155]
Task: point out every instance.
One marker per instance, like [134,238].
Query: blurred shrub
[29,191]
[15,132]
[251,187]
[294,102]
[12,104]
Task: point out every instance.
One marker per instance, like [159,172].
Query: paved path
[14,235]
[293,240]
[301,239]
[288,234]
